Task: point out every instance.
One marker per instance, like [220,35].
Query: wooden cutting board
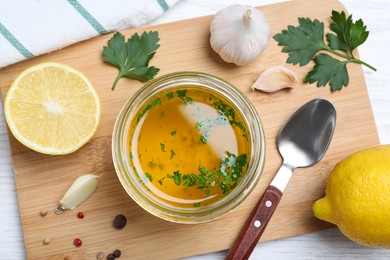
[41,180]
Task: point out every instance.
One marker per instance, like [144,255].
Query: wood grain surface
[41,180]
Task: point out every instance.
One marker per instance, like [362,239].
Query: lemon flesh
[52,109]
[358,197]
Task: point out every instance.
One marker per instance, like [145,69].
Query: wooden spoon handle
[255,225]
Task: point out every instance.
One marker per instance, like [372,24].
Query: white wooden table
[328,244]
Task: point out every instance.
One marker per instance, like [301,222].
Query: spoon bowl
[305,137]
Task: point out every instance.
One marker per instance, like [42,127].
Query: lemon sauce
[189,147]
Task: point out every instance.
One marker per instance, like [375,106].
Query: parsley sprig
[132,56]
[303,42]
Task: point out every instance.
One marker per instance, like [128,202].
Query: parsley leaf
[132,57]
[172,154]
[181,93]
[176,177]
[170,95]
[162,146]
[161,181]
[349,35]
[150,178]
[328,70]
[303,42]
[152,164]
[156,102]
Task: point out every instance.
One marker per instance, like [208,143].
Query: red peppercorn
[80,215]
[77,242]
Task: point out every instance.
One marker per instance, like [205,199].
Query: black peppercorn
[117,253]
[110,257]
[120,222]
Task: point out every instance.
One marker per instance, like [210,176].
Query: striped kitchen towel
[30,28]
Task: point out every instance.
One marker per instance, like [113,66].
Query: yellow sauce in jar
[189,147]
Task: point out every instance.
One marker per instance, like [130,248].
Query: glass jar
[135,186]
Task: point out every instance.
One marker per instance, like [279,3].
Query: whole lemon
[358,197]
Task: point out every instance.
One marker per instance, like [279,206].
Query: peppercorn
[110,257]
[77,242]
[117,253]
[80,215]
[100,256]
[120,221]
[43,212]
[46,240]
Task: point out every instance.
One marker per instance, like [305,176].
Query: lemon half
[52,108]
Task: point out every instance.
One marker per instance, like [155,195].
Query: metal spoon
[302,142]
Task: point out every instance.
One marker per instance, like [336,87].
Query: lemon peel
[358,197]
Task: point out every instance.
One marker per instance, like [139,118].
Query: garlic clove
[239,34]
[81,189]
[274,79]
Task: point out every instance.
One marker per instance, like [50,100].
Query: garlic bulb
[81,189]
[239,34]
[274,79]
